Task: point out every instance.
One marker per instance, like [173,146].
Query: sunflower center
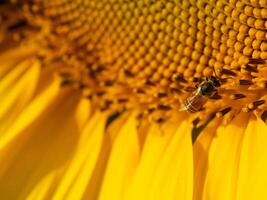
[153,55]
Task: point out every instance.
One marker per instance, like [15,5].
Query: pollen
[149,55]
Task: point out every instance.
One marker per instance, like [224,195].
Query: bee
[205,90]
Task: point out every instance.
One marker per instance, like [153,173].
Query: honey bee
[204,91]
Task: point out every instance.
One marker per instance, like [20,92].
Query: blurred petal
[122,162]
[11,58]
[39,146]
[30,113]
[14,75]
[16,90]
[200,151]
[94,186]
[79,170]
[114,128]
[253,162]
[43,187]
[82,113]
[173,178]
[156,144]
[219,179]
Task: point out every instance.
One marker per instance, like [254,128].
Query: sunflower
[94,96]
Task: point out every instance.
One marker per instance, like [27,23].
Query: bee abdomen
[191,107]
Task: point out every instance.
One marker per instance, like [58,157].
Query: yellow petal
[45,145]
[79,170]
[9,59]
[30,113]
[43,187]
[16,91]
[47,76]
[94,186]
[82,180]
[220,180]
[174,176]
[253,162]
[14,75]
[82,112]
[200,150]
[122,162]
[114,128]
[155,145]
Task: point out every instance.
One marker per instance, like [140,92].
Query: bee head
[214,81]
[208,87]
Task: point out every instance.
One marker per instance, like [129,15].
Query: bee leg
[199,81]
[201,109]
[198,84]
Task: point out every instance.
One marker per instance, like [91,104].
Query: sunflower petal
[79,170]
[82,112]
[122,161]
[13,75]
[83,179]
[30,113]
[94,186]
[34,151]
[174,176]
[114,128]
[200,150]
[220,179]
[42,188]
[253,162]
[11,58]
[15,95]
[157,140]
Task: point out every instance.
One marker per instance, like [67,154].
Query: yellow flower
[94,93]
